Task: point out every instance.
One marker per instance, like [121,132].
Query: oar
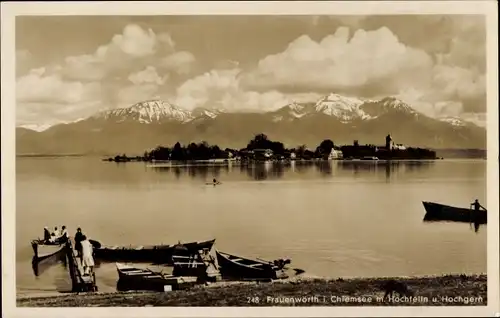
[263,260]
[298,271]
[152,271]
[470,217]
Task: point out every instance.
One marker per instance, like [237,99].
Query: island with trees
[261,148]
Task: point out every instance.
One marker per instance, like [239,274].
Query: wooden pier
[79,280]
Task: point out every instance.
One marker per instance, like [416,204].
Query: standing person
[46,234]
[78,241]
[64,234]
[87,259]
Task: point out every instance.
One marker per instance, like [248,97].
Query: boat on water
[441,212]
[44,250]
[158,254]
[132,278]
[232,266]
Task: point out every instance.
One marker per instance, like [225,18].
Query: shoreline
[438,290]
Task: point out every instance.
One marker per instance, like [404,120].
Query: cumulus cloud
[179,62]
[135,46]
[84,67]
[222,89]
[39,87]
[363,57]
[339,62]
[135,41]
[148,75]
[44,97]
[374,63]
[456,83]
[137,54]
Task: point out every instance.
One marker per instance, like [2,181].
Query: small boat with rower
[439,212]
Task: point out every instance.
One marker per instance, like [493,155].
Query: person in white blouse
[87,258]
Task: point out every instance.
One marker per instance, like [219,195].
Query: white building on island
[335,154]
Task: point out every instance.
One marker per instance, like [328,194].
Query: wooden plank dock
[79,280]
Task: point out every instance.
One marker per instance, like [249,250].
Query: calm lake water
[331,218]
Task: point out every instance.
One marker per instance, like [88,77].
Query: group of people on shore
[85,251]
[82,245]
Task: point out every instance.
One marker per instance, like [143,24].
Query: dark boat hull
[232,266]
[159,254]
[131,278]
[441,212]
[45,251]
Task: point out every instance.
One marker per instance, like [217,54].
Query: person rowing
[476,207]
[214,182]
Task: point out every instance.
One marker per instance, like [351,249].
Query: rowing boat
[132,278]
[201,265]
[233,266]
[159,254]
[43,250]
[441,212]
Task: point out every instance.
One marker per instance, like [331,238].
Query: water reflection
[194,171]
[274,170]
[94,171]
[40,266]
[390,169]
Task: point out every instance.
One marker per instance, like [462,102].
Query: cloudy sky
[70,67]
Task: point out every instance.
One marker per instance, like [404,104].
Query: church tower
[388,142]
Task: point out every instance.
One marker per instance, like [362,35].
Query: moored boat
[159,254]
[201,265]
[233,266]
[44,250]
[441,212]
[132,278]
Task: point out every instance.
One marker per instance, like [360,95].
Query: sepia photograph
[342,161]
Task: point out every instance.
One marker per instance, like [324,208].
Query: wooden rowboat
[201,265]
[446,213]
[132,278]
[44,250]
[158,254]
[233,266]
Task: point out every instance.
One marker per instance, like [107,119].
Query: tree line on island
[261,148]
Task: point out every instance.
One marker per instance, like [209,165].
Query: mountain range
[148,124]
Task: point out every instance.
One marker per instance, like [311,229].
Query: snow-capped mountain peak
[455,121]
[207,112]
[342,107]
[291,111]
[395,103]
[35,127]
[147,112]
[296,107]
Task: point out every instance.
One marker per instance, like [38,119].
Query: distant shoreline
[453,153]
[442,290]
